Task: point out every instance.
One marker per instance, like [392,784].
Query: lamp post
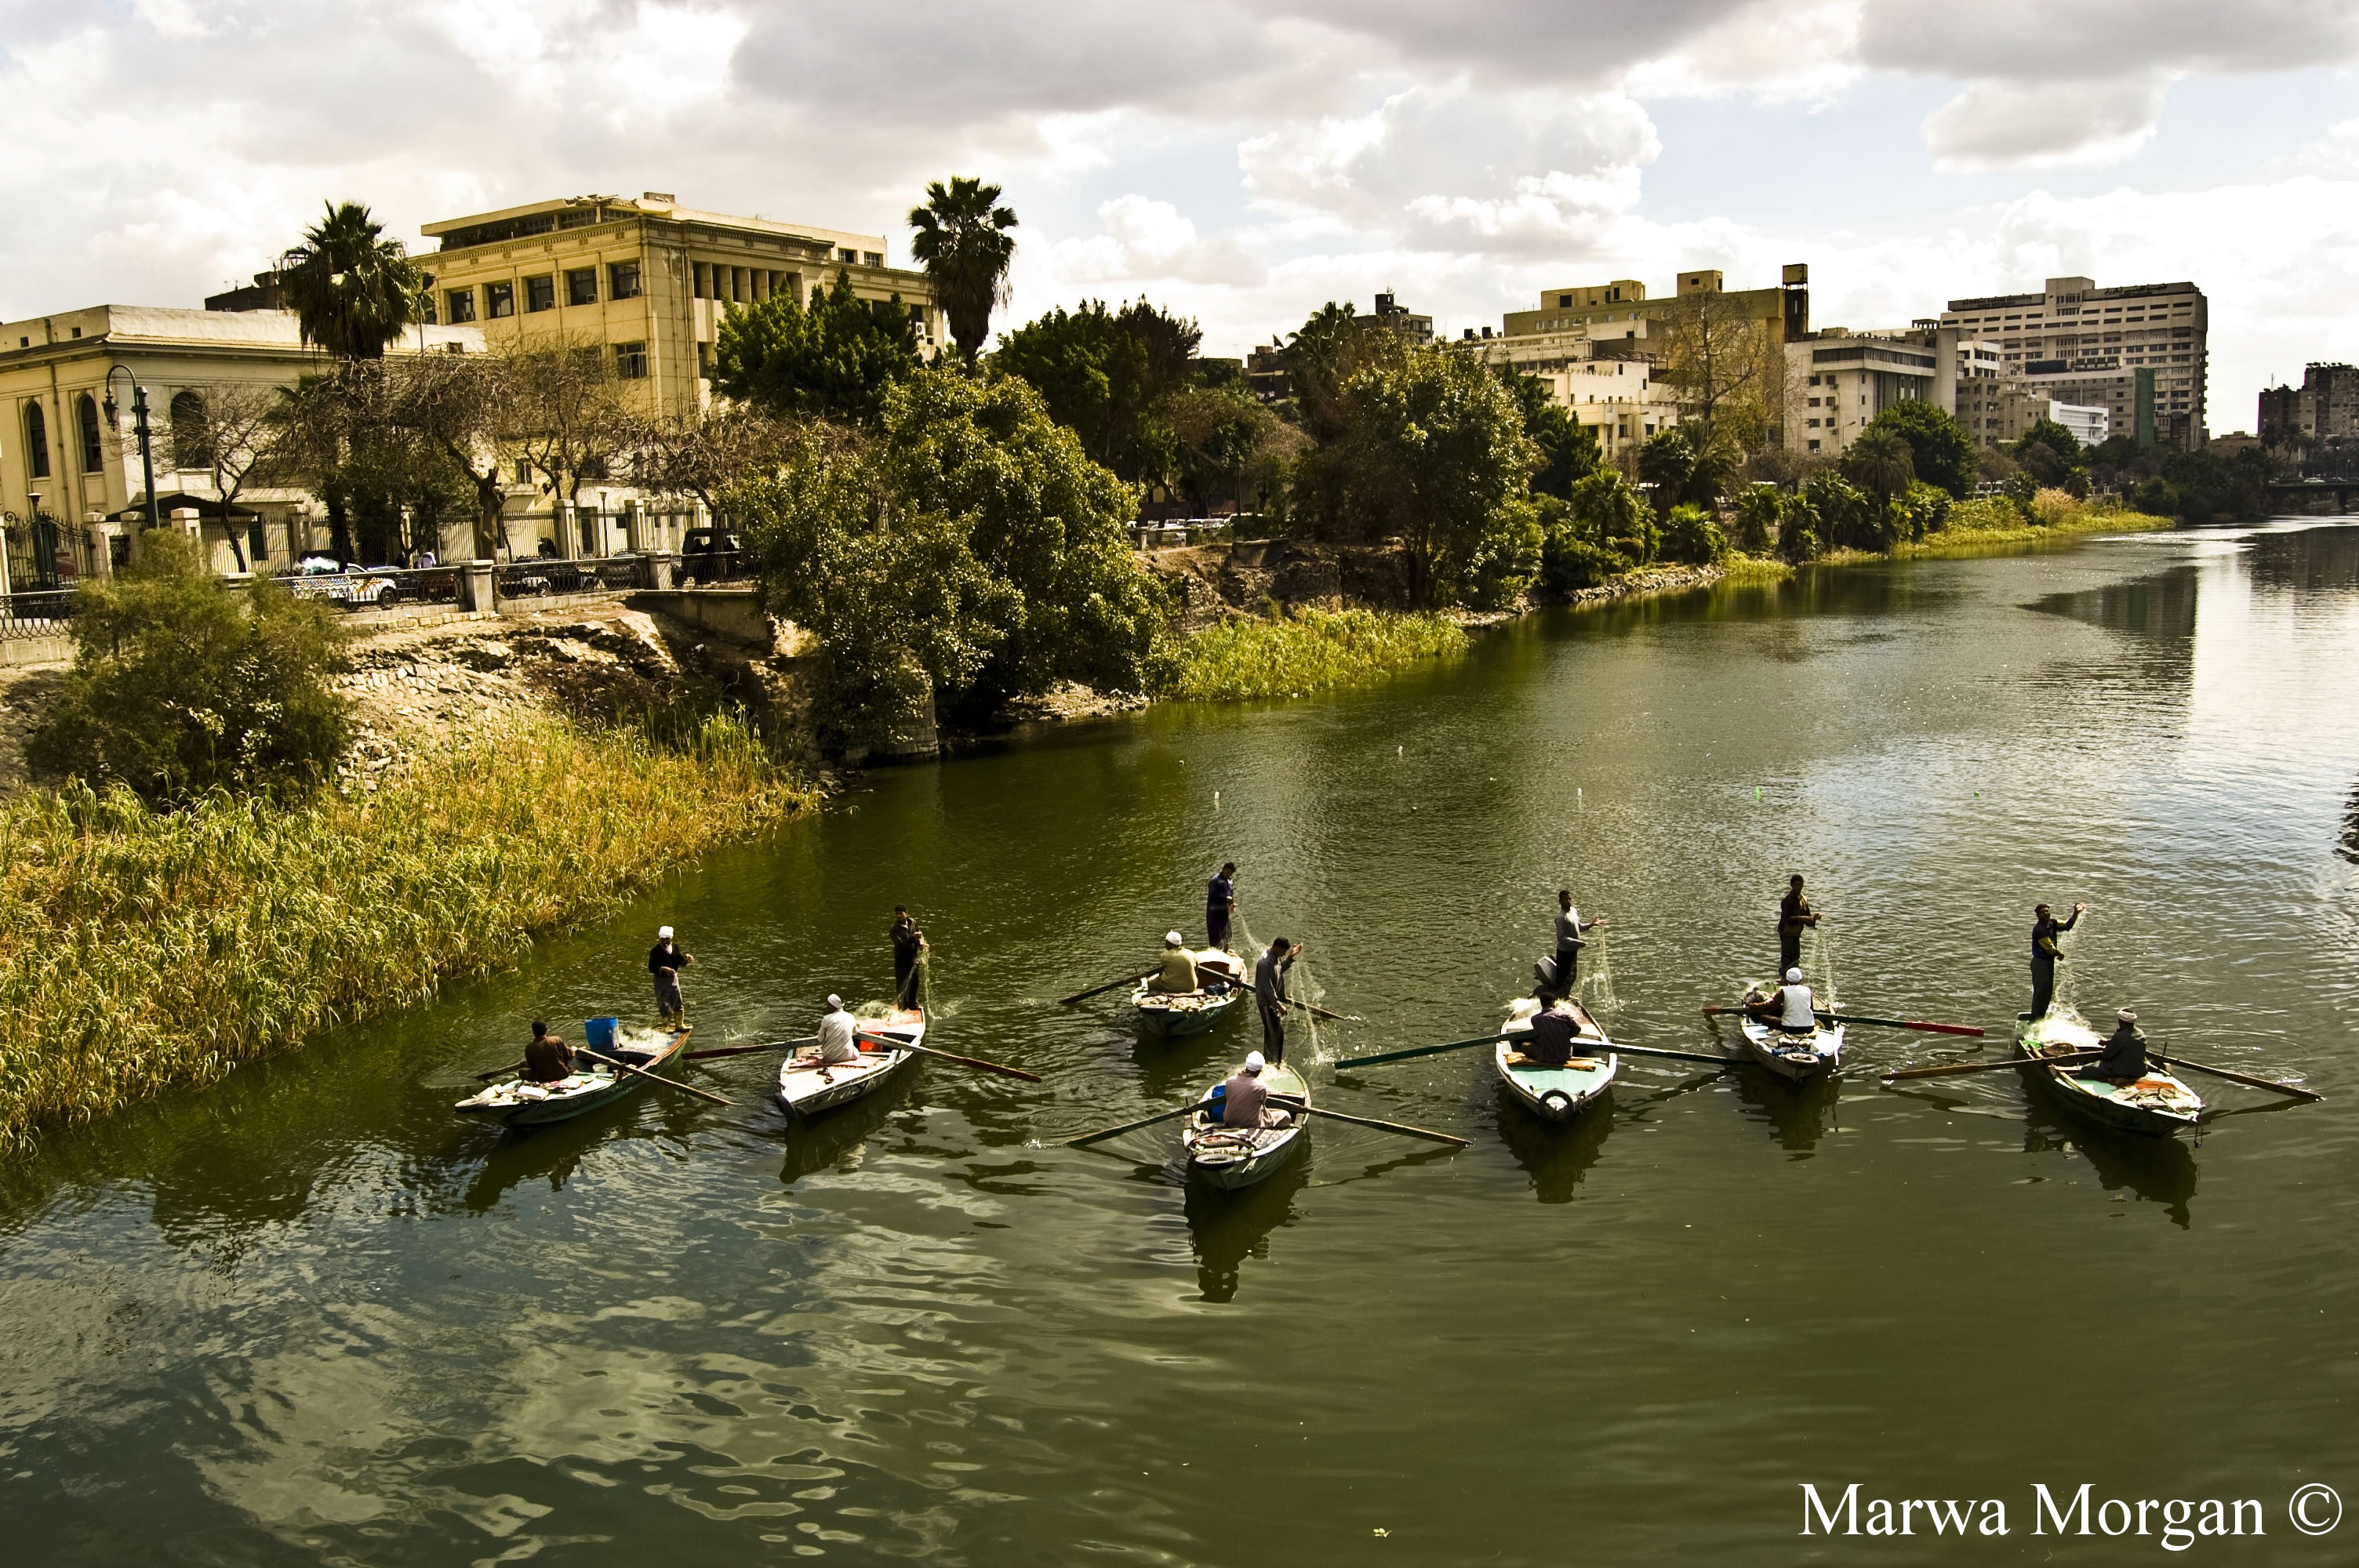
[139,423]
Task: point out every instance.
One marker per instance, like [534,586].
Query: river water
[307,1317]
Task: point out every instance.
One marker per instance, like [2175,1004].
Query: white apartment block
[1838,381]
[2138,352]
[2089,426]
[1618,399]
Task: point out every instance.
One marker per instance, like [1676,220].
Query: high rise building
[2080,344]
[647,281]
[2324,407]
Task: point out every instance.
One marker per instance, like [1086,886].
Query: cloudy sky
[1244,163]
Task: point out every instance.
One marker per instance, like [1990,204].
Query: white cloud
[1142,242]
[1993,125]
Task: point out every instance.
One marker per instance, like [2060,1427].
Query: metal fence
[708,567]
[539,576]
[376,587]
[38,612]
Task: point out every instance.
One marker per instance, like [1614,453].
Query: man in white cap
[1795,1009]
[836,1046]
[1245,1098]
[665,962]
[2125,1059]
[1179,976]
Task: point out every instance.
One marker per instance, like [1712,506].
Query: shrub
[1692,535]
[1942,450]
[1925,509]
[181,686]
[1845,518]
[2053,506]
[1797,532]
[1757,519]
[1307,651]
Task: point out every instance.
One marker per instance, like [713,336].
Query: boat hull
[1230,1157]
[809,1090]
[515,1103]
[1162,1016]
[2157,1106]
[1787,1058]
[1556,1094]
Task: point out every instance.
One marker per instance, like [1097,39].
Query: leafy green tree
[1332,346]
[1106,375]
[1844,517]
[1437,451]
[834,361]
[1692,535]
[1798,538]
[1665,463]
[968,545]
[961,241]
[1568,448]
[1940,450]
[1879,463]
[181,684]
[352,290]
[2046,433]
[1757,511]
[1608,512]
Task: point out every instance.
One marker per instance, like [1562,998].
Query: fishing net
[1597,992]
[2067,969]
[1821,961]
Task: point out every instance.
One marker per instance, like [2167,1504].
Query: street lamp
[138,423]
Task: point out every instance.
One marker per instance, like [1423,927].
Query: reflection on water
[306,1316]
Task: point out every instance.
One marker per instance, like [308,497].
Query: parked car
[709,555]
[317,576]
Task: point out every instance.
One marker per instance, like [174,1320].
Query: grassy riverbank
[1978,525]
[149,951]
[1308,649]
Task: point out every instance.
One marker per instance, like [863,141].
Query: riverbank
[147,952]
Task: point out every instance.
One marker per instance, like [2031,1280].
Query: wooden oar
[499,1072]
[1418,1050]
[2236,1077]
[1109,986]
[1678,1056]
[651,1078]
[1106,1132]
[1318,1011]
[2066,1059]
[976,1062]
[804,1043]
[1402,1128]
[1880,1023]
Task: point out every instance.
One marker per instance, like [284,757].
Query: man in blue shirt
[1220,906]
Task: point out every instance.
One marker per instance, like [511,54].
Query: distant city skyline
[1244,165]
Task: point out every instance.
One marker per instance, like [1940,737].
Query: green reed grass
[1976,524]
[1308,650]
[144,951]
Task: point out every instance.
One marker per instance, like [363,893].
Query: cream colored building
[68,470]
[2140,351]
[1617,399]
[649,281]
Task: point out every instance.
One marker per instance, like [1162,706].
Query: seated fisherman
[1179,976]
[1554,1029]
[547,1059]
[1244,1100]
[2125,1060]
[837,1047]
[1794,1008]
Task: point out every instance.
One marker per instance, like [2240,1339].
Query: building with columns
[647,281]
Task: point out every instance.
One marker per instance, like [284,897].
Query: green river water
[309,1317]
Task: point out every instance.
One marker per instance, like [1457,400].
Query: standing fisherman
[908,952]
[1220,907]
[1269,996]
[665,961]
[2046,953]
[1569,927]
[1794,912]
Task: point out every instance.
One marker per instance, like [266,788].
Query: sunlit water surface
[307,1317]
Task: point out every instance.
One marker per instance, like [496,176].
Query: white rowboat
[521,1102]
[1796,1057]
[807,1089]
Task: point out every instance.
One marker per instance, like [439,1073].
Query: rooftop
[580,211]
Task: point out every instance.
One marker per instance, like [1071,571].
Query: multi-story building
[72,490]
[2324,407]
[2138,352]
[1604,320]
[2089,425]
[1618,398]
[647,281]
[1391,316]
[1839,381]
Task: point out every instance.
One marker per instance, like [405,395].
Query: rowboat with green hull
[2158,1105]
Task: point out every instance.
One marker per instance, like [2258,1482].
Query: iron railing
[707,568]
[376,587]
[35,612]
[542,577]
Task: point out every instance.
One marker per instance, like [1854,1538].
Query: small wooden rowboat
[1233,1157]
[1795,1057]
[1164,1016]
[1555,1094]
[2157,1105]
[519,1102]
[807,1089]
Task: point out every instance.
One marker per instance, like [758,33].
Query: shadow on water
[1797,1115]
[838,1140]
[2349,848]
[2160,1169]
[1229,1228]
[1556,1155]
[512,1156]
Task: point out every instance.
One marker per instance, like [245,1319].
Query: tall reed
[142,951]
[1308,649]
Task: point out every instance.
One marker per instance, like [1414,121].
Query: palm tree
[1880,463]
[963,243]
[353,289]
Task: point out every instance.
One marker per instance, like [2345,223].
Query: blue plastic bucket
[598,1033]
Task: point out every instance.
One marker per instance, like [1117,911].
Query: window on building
[700,280]
[93,447]
[704,359]
[462,303]
[189,443]
[36,442]
[846,254]
[541,293]
[631,361]
[873,258]
[622,280]
[582,286]
[499,299]
[523,472]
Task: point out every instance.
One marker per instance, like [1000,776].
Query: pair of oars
[1917,1024]
[881,1041]
[620,1067]
[1311,1008]
[1383,1057]
[1400,1127]
[2067,1058]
